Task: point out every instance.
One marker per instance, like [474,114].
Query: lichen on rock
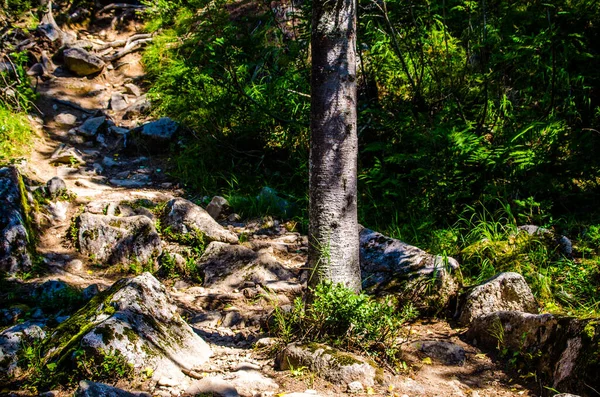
[135,318]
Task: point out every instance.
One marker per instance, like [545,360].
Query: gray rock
[232,266]
[92,126]
[390,266]
[137,319]
[162,129]
[119,240]
[50,31]
[212,386]
[55,187]
[355,387]
[185,217]
[231,319]
[118,102]
[14,228]
[155,136]
[136,180]
[81,62]
[133,89]
[67,155]
[505,291]
[92,389]
[447,353]
[564,349]
[216,206]
[249,382]
[13,340]
[57,211]
[65,119]
[139,107]
[119,130]
[335,366]
[74,266]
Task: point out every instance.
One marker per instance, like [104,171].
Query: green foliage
[338,316]
[15,134]
[41,374]
[492,244]
[248,82]
[15,7]
[107,366]
[460,103]
[16,98]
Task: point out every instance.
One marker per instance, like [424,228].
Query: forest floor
[206,309]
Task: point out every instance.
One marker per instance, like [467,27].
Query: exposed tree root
[121,6]
[129,48]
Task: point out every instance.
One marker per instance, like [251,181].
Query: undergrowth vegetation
[354,322]
[16,96]
[473,119]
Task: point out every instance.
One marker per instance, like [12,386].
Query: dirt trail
[208,310]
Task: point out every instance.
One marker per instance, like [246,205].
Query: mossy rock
[136,319]
[332,364]
[390,266]
[563,351]
[17,235]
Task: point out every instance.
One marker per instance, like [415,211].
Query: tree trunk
[333,251]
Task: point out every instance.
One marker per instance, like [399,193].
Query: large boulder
[15,227]
[338,367]
[81,62]
[118,240]
[505,291]
[137,320]
[390,266]
[231,266]
[564,351]
[185,217]
[13,340]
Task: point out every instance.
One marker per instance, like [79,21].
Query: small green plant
[347,320]
[168,267]
[108,366]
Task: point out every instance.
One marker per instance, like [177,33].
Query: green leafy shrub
[338,316]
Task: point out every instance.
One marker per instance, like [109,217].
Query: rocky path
[86,139]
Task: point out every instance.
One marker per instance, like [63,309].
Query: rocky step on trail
[117,285]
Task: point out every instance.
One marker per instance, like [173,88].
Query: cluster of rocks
[503,313]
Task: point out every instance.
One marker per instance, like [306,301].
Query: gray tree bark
[334,247]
